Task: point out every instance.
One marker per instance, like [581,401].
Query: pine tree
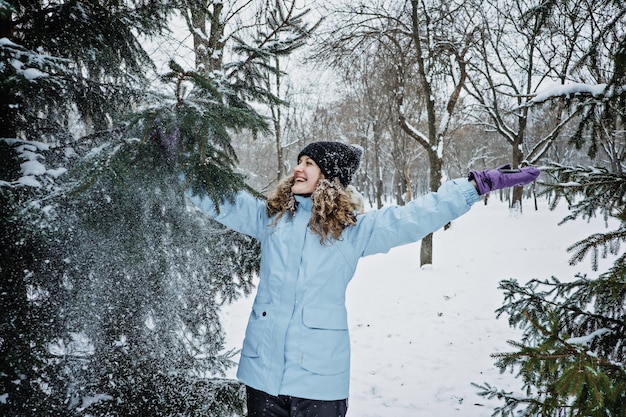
[152,317]
[103,308]
[572,355]
[112,283]
[143,274]
[56,66]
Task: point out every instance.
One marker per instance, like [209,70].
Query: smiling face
[306,175]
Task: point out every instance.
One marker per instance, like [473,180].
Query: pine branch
[609,242]
[563,297]
[602,191]
[511,401]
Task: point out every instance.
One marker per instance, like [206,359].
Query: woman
[295,359]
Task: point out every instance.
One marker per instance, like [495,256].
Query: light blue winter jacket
[297,339]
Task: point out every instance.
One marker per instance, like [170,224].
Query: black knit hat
[335,159]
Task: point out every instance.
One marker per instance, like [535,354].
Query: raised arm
[245,214]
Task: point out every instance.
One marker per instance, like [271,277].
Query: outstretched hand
[502,177]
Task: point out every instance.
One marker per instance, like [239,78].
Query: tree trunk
[426,250]
[518,157]
[277,119]
[208,47]
[408,184]
[377,169]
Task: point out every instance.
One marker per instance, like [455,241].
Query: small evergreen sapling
[572,355]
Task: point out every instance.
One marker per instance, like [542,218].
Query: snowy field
[421,336]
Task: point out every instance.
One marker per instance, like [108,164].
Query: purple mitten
[502,177]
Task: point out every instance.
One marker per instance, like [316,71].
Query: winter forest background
[111,284]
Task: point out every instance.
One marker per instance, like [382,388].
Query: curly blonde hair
[334,208]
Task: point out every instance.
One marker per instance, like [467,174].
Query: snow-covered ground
[421,336]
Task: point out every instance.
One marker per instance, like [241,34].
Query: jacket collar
[304,202]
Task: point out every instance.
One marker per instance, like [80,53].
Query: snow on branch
[554,90]
[587,339]
[32,168]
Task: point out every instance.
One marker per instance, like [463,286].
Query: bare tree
[442,33]
[207,22]
[518,51]
[371,119]
[287,25]
[427,41]
[259,34]
[598,65]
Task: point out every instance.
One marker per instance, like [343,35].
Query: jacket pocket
[257,325]
[325,344]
